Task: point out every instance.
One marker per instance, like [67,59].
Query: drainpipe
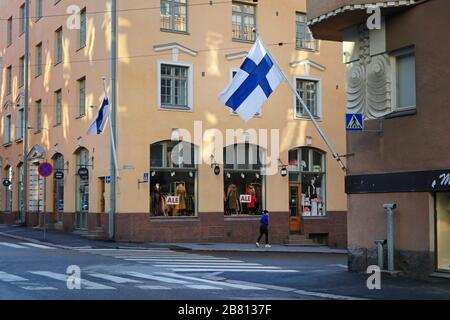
[23,206]
[113,173]
[390,234]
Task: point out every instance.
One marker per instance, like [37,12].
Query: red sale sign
[245,198]
[172,200]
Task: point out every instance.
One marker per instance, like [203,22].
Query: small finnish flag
[99,122]
[257,78]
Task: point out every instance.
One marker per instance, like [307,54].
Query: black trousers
[264,231]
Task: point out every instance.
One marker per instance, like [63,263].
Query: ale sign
[172,200]
[245,198]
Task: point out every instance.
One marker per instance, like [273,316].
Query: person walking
[264,229]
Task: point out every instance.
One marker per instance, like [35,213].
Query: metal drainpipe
[25,121]
[113,173]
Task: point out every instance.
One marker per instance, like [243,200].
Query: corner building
[174,58]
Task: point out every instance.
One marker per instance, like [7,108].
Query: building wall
[140,123]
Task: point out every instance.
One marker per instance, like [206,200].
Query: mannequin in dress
[180,192]
[233,199]
[157,200]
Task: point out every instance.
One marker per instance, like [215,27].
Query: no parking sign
[45,169]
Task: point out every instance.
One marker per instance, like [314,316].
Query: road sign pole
[45,207]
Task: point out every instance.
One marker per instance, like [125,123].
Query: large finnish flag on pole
[257,78]
[99,122]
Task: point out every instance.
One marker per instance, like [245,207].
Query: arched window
[8,191]
[82,189]
[243,179]
[307,168]
[58,187]
[173,179]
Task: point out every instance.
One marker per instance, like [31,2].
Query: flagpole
[113,142]
[294,90]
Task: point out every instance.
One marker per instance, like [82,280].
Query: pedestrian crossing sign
[354,122]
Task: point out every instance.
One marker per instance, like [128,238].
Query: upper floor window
[174,15]
[9,80]
[38,116]
[38,67]
[244,21]
[39,9]
[304,37]
[175,84]
[20,130]
[58,46]
[21,71]
[58,107]
[406,80]
[9,26]
[310,93]
[8,129]
[83,28]
[22,19]
[82,96]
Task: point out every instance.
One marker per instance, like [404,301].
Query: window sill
[38,75]
[37,19]
[80,117]
[57,125]
[314,217]
[80,48]
[57,63]
[307,118]
[20,140]
[401,113]
[164,218]
[37,131]
[306,49]
[7,144]
[186,33]
[242,217]
[244,41]
[167,108]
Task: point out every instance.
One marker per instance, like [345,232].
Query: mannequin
[252,205]
[233,199]
[180,192]
[157,200]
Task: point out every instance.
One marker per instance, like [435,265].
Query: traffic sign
[354,122]
[45,169]
[108,179]
[59,175]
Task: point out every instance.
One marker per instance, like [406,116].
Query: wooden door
[295,223]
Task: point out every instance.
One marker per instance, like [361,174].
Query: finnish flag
[99,122]
[257,78]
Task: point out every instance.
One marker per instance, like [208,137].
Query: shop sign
[59,175]
[172,200]
[83,173]
[245,198]
[317,168]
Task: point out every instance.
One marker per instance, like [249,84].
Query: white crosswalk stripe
[6,277]
[12,245]
[185,262]
[40,246]
[85,284]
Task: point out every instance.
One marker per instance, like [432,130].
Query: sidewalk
[66,240]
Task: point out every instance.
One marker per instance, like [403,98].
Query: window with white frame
[8,120]
[244,21]
[304,36]
[309,91]
[406,80]
[175,82]
[20,129]
[174,15]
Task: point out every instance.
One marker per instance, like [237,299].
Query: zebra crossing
[25,245]
[116,281]
[185,262]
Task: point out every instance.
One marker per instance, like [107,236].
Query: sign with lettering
[442,181]
[59,175]
[172,200]
[245,198]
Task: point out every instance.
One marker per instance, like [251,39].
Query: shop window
[243,180]
[173,179]
[82,190]
[8,191]
[443,231]
[307,168]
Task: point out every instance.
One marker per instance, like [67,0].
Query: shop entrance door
[295,219]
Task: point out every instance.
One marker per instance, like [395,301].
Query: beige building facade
[173,60]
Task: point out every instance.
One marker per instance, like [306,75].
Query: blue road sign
[45,169]
[145,177]
[354,122]
[108,179]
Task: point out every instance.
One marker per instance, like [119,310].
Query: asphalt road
[29,271]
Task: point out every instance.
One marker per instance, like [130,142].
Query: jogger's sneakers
[257,244]
[268,246]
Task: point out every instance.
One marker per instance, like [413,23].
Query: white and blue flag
[99,122]
[257,78]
